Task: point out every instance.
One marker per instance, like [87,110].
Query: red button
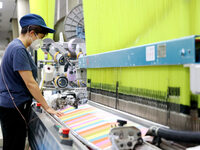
[65,131]
[38,104]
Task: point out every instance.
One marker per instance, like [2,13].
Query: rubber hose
[175,135]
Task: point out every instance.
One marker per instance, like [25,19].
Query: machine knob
[129,144]
[61,60]
[139,134]
[183,52]
[121,145]
[61,82]
[122,122]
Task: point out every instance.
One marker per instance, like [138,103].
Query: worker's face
[36,40]
[39,35]
[35,36]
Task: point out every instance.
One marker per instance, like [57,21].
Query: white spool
[48,71]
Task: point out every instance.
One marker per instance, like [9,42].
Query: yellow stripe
[75,114]
[87,124]
[97,135]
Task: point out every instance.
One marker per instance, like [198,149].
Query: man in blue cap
[17,82]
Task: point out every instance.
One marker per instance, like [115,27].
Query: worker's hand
[53,112]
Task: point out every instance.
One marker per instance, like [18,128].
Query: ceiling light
[1,5]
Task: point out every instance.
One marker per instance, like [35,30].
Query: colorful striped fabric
[93,124]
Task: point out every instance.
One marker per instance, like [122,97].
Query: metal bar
[67,7]
[116,102]
[90,82]
[172,52]
[58,10]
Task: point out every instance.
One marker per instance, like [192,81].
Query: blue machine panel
[172,52]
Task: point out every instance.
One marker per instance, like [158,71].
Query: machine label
[150,53]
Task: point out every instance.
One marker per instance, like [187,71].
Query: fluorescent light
[1,5]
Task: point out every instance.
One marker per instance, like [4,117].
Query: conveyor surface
[93,125]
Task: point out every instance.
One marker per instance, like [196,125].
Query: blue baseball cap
[33,19]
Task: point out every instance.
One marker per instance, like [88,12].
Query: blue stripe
[80,107]
[99,137]
[66,111]
[89,125]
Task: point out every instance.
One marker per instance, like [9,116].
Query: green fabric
[116,24]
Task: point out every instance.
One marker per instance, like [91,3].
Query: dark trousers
[13,126]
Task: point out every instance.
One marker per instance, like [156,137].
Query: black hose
[175,135]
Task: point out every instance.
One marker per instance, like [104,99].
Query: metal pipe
[58,10]
[175,135]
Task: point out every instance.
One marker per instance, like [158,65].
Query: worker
[17,82]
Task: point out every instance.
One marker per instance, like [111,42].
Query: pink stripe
[79,118]
[85,121]
[103,142]
[89,127]
[144,131]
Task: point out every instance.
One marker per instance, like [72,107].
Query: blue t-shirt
[16,58]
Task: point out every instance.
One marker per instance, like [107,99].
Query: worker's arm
[33,87]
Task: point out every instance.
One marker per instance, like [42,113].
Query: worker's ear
[31,32]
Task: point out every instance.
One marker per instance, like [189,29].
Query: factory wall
[115,24]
